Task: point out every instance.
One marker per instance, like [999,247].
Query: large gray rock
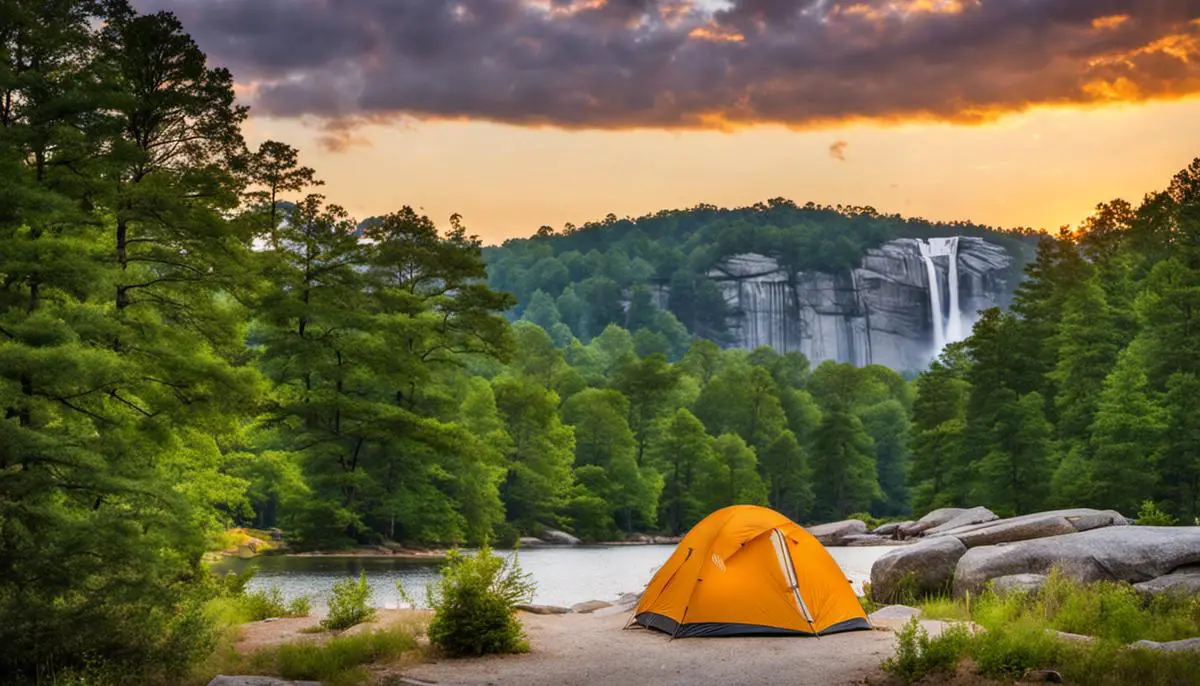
[1189,644]
[865,540]
[1019,583]
[589,606]
[543,609]
[893,616]
[1121,553]
[835,533]
[1036,525]
[888,529]
[936,518]
[925,567]
[1185,581]
[556,537]
[530,542]
[975,515]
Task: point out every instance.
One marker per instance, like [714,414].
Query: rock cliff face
[884,312]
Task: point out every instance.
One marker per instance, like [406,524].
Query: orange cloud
[1109,22]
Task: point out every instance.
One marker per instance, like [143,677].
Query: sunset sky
[519,113]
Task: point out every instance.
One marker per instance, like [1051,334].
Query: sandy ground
[594,649]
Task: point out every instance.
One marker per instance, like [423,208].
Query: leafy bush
[268,602]
[1150,515]
[348,606]
[870,520]
[474,603]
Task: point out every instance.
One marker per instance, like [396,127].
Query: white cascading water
[956,329]
[935,296]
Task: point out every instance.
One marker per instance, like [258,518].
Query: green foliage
[348,604]
[918,655]
[1017,634]
[1150,515]
[268,602]
[474,603]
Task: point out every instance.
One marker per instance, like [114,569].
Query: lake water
[564,576]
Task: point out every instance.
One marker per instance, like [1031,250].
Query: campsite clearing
[596,649]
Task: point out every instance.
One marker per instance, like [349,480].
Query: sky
[523,113]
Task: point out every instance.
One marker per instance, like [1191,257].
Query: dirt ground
[595,649]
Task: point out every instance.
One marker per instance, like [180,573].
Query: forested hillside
[1088,391]
[576,282]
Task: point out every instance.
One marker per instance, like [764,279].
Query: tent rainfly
[746,570]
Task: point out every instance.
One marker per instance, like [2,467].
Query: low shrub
[348,605]
[474,603]
[1150,515]
[918,655]
[870,520]
[268,602]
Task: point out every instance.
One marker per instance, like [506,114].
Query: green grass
[1009,652]
[1017,635]
[1109,610]
[340,661]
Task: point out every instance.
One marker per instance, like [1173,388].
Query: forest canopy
[577,281]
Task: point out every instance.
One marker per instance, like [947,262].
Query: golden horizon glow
[1044,168]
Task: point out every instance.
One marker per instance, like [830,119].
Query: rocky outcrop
[936,518]
[926,567]
[892,616]
[1019,583]
[878,313]
[543,609]
[971,517]
[1184,581]
[1025,527]
[1188,644]
[835,533]
[1119,553]
[589,606]
[889,529]
[556,537]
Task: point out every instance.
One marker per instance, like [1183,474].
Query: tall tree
[684,453]
[789,475]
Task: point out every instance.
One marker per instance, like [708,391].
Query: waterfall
[935,296]
[955,329]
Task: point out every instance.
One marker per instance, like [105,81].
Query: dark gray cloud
[674,64]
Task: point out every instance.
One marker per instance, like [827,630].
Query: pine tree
[940,473]
[1015,472]
[844,476]
[682,456]
[789,475]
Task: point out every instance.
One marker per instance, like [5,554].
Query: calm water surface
[564,576]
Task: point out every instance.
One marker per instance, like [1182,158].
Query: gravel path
[594,649]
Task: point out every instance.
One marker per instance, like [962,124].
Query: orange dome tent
[747,570]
